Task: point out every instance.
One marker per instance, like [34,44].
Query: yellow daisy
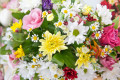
[51,44]
[16,26]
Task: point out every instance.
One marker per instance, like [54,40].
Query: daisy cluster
[61,40]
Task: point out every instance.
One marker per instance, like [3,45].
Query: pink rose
[16,77]
[33,20]
[110,36]
[13,60]
[107,62]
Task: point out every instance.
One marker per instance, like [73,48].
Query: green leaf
[14,43]
[88,23]
[77,45]
[111,10]
[3,51]
[56,1]
[116,21]
[117,48]
[36,77]
[113,55]
[72,1]
[19,15]
[19,37]
[57,58]
[55,15]
[118,7]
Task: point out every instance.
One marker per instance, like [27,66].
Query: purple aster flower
[47,5]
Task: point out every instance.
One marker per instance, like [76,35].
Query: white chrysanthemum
[53,68]
[105,14]
[112,75]
[86,73]
[77,32]
[25,70]
[5,17]
[26,5]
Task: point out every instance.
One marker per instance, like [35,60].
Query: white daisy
[98,35]
[35,38]
[111,75]
[86,73]
[105,14]
[107,49]
[77,32]
[94,26]
[103,54]
[26,5]
[65,11]
[44,14]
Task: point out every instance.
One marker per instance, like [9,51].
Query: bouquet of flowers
[61,40]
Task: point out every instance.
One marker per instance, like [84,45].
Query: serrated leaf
[55,15]
[36,77]
[116,21]
[14,43]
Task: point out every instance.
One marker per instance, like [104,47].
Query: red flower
[89,18]
[69,73]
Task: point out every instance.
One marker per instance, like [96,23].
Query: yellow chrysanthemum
[84,58]
[16,26]
[51,44]
[19,53]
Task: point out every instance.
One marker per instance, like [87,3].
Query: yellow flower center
[75,32]
[42,79]
[71,15]
[44,14]
[102,54]
[40,55]
[87,39]
[34,60]
[59,23]
[30,29]
[33,66]
[65,11]
[62,79]
[35,38]
[110,51]
[93,27]
[97,34]
[55,76]
[106,49]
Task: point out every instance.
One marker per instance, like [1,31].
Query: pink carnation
[33,20]
[110,36]
[107,62]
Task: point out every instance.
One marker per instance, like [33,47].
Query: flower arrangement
[62,40]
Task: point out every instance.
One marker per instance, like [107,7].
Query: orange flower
[96,49]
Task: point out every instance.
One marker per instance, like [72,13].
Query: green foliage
[117,48]
[88,23]
[36,77]
[3,51]
[19,15]
[56,1]
[19,37]
[55,16]
[116,21]
[65,57]
[113,55]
